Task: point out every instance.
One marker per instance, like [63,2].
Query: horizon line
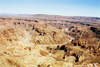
[11,14]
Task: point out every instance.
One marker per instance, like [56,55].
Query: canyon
[49,41]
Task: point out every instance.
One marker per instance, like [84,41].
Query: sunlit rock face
[13,36]
[48,35]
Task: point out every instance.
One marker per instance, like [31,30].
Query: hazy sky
[54,7]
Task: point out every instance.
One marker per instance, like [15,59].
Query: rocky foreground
[15,52]
[39,43]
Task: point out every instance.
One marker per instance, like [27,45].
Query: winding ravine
[28,38]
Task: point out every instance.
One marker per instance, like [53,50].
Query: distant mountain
[65,17]
[56,17]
